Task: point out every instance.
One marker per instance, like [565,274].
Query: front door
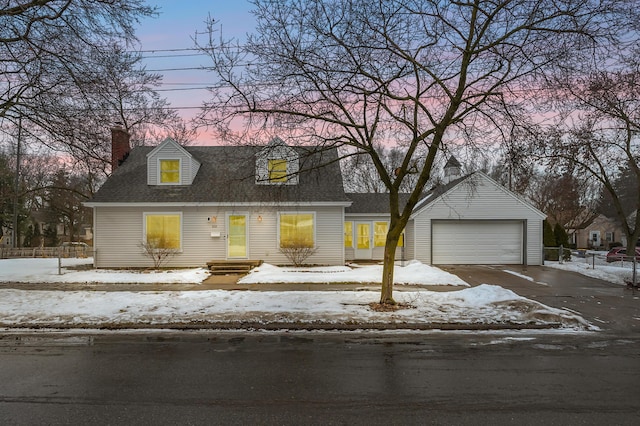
[237,236]
[363,240]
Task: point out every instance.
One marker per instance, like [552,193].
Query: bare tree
[567,199]
[599,135]
[416,74]
[72,71]
[362,175]
[74,117]
[44,42]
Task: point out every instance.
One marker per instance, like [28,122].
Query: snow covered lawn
[484,305]
[481,305]
[46,271]
[413,273]
[616,272]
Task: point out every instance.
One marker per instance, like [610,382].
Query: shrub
[157,251]
[297,251]
[553,254]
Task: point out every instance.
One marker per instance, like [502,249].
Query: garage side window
[163,231]
[297,230]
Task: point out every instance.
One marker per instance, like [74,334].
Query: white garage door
[477,242]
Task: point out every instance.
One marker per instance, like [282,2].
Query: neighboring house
[246,202]
[598,233]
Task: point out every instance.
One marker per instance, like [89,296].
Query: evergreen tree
[548,237]
[561,236]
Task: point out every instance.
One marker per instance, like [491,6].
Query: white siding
[409,241]
[478,198]
[264,242]
[119,232]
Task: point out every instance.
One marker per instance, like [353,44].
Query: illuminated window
[169,171]
[380,230]
[277,170]
[296,230]
[364,231]
[348,234]
[162,231]
[380,235]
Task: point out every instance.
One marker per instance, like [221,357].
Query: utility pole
[16,197]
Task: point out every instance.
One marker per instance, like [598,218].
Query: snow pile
[482,305]
[413,273]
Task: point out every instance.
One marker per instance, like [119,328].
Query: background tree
[598,134]
[7,192]
[567,199]
[625,185]
[63,199]
[45,42]
[72,73]
[416,74]
[361,174]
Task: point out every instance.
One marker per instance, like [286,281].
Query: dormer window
[170,171]
[277,170]
[277,164]
[170,164]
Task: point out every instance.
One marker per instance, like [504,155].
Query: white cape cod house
[213,203]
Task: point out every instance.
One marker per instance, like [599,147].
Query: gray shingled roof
[379,202]
[227,174]
[374,202]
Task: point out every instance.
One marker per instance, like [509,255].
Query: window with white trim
[297,230]
[169,171]
[163,230]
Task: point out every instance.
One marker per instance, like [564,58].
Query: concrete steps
[227,267]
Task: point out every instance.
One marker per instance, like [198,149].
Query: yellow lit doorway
[363,240]
[237,236]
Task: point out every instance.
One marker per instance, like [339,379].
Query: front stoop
[225,267]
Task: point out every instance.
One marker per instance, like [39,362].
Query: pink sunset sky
[162,38]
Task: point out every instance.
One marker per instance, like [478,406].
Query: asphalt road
[612,307]
[318,378]
[444,378]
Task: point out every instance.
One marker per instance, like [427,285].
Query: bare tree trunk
[391,245]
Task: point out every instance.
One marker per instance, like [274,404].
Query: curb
[274,326]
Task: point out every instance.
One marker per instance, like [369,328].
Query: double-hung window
[169,171]
[277,170]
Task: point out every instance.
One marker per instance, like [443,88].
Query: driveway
[611,307]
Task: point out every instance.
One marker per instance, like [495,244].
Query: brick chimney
[119,146]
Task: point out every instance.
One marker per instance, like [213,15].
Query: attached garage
[480,242]
[474,220]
